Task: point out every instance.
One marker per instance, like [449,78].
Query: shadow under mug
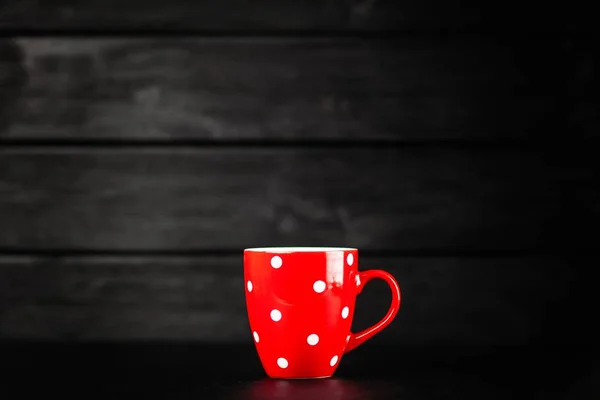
[300,303]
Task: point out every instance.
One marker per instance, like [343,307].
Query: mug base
[300,377]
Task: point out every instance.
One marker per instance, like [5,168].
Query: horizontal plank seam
[424,253]
[487,30]
[169,345]
[32,143]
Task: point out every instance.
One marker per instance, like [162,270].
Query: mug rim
[297,249]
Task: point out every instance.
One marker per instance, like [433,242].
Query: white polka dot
[256,338]
[282,362]
[348,338]
[250,286]
[345,312]
[275,315]
[312,339]
[333,361]
[357,280]
[350,259]
[276,262]
[319,286]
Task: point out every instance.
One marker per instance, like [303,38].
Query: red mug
[300,303]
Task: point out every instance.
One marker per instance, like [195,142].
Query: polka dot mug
[300,303]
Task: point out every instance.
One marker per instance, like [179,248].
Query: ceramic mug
[300,303]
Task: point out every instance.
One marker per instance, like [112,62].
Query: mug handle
[356,339]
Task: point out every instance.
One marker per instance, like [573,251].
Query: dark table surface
[221,371]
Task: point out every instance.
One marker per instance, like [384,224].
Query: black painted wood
[290,15]
[438,194]
[448,301]
[224,89]
[204,199]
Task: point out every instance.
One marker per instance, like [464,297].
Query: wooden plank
[404,199]
[447,301]
[287,15]
[283,89]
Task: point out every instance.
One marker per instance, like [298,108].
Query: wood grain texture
[447,301]
[285,89]
[402,199]
[290,15]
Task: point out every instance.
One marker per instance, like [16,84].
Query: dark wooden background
[143,145]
